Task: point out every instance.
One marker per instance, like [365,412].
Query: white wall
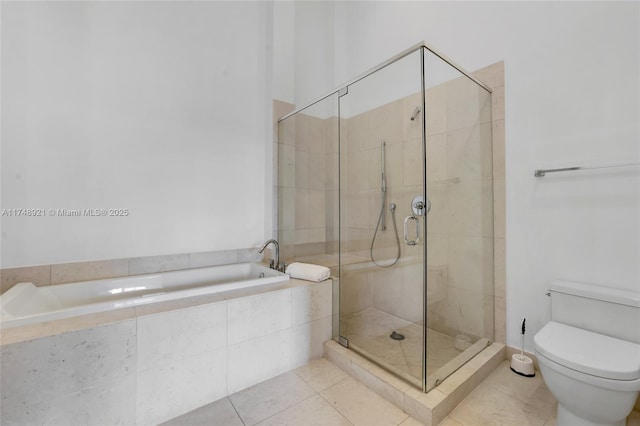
[314,50]
[159,107]
[284,50]
[572,95]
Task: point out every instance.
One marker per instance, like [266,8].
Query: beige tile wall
[493,76]
[395,290]
[473,235]
[461,189]
[306,184]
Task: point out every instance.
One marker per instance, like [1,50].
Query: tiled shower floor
[368,332]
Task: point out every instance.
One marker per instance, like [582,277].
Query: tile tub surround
[429,408]
[176,357]
[63,273]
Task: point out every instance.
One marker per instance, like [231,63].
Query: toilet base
[567,418]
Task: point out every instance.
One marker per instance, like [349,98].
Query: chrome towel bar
[543,172]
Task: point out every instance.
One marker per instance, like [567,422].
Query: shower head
[415,113]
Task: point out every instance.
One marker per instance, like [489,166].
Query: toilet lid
[589,352]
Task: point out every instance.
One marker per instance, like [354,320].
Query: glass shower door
[382,218]
[459,262]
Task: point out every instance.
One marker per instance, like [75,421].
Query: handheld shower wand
[381,225]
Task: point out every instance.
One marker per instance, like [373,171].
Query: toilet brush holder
[522,365]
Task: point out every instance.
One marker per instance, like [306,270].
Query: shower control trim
[419,207]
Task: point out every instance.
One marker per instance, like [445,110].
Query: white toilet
[589,354]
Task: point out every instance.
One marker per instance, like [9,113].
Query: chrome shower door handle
[406,230]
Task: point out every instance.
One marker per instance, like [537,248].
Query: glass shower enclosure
[388,181]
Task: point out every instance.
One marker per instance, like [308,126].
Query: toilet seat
[616,385]
[589,353]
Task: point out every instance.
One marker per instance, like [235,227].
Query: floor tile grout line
[236,410]
[451,413]
[333,384]
[333,406]
[366,387]
[497,389]
[285,409]
[319,393]
[405,419]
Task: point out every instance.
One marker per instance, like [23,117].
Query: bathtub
[26,303]
[213,332]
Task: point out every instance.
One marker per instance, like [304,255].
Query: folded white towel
[308,272]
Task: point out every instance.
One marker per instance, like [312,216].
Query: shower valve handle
[419,206]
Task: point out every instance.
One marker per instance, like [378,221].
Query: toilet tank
[604,310]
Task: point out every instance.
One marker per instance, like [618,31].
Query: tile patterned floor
[506,399]
[320,394]
[317,394]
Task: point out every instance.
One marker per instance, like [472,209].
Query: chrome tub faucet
[275,263]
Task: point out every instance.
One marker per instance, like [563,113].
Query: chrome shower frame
[342,90]
[422,45]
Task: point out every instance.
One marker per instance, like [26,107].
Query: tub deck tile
[28,332]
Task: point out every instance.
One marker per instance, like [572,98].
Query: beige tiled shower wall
[493,76]
[396,290]
[460,226]
[465,243]
[460,235]
[307,154]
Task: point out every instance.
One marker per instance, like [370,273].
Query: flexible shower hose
[395,228]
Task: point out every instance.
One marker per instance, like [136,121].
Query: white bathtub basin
[25,303]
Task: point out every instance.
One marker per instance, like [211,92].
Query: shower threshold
[431,407]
